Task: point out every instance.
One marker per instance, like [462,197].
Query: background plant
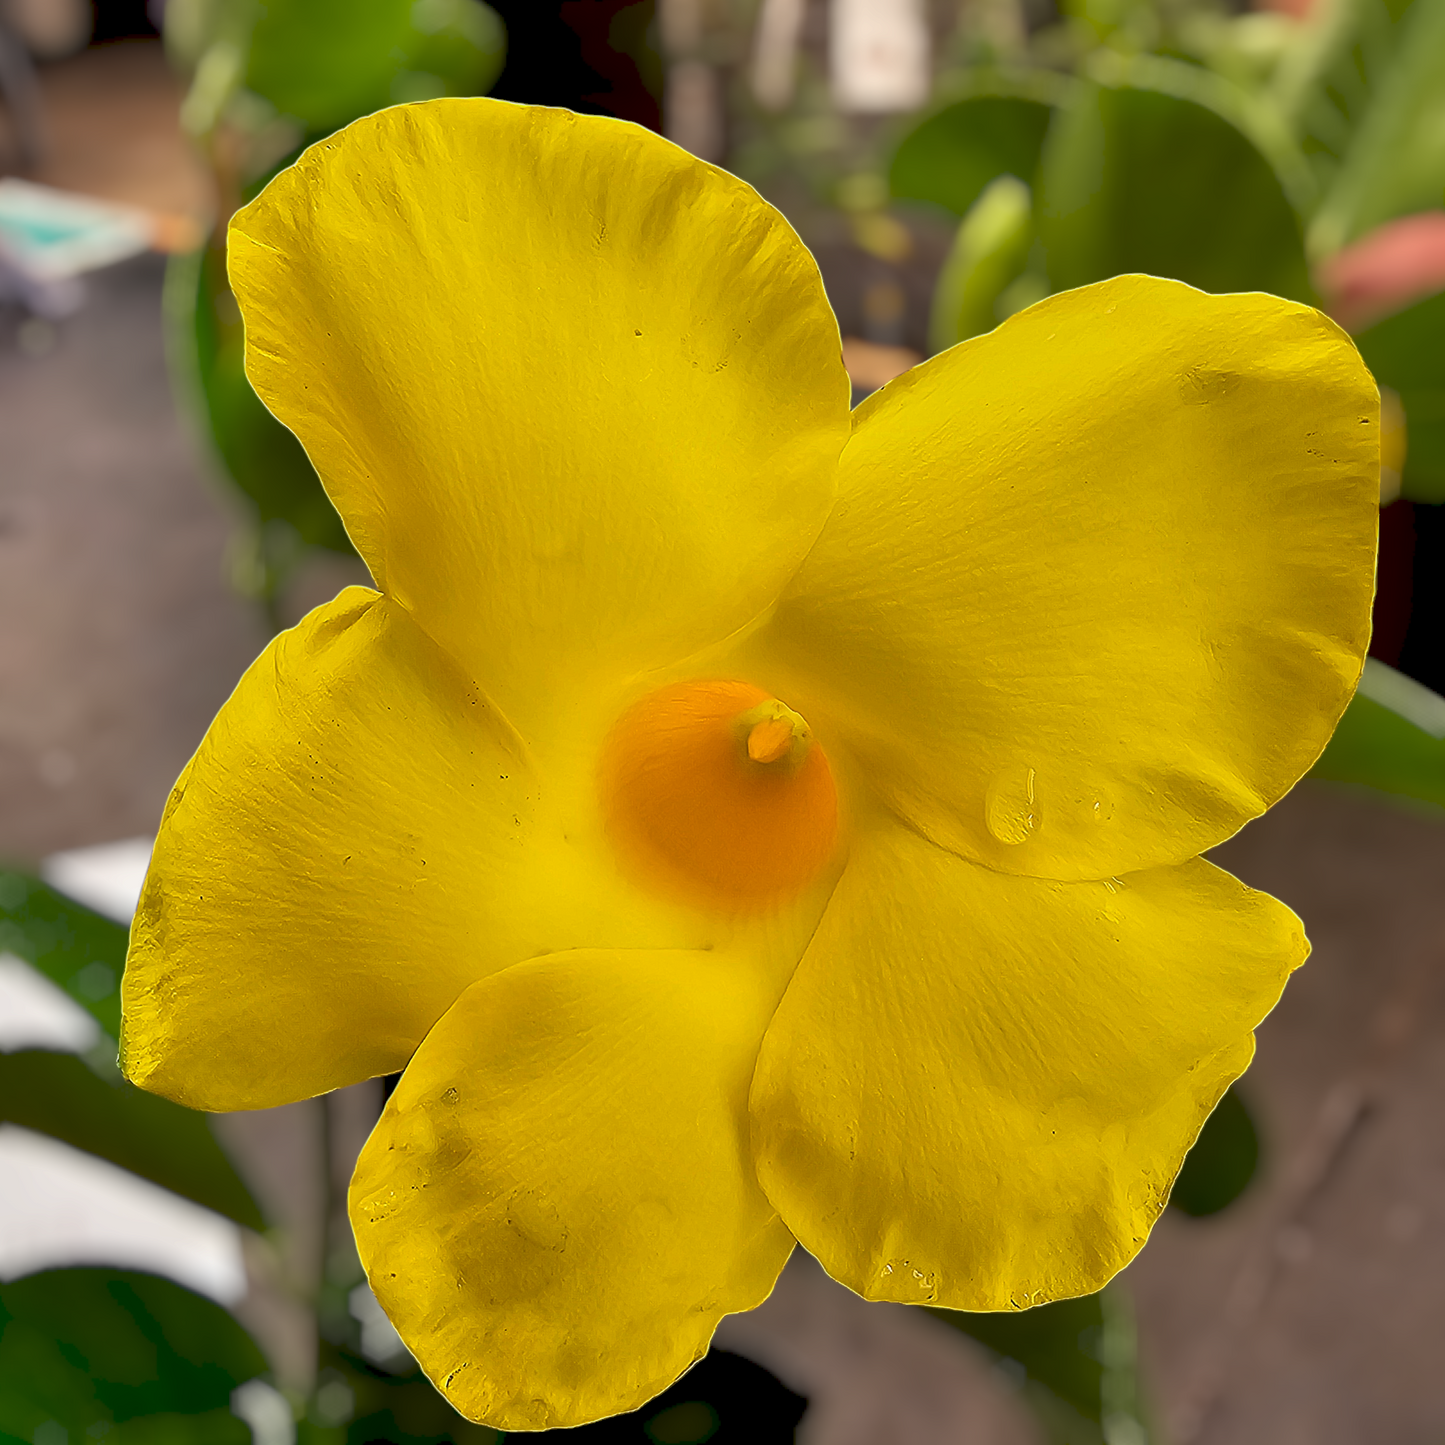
[267,78]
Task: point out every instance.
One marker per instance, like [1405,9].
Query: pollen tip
[770,740]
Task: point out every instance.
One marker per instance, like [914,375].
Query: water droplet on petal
[1011,809]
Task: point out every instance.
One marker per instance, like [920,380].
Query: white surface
[878,53]
[106,877]
[60,1207]
[56,234]
[263,1407]
[380,1342]
[38,1014]
[775,52]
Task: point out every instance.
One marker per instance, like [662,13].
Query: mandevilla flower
[744,822]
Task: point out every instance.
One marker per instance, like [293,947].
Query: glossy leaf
[1138,180]
[59,1095]
[1220,1166]
[1407,353]
[1077,1360]
[325,62]
[988,254]
[119,1355]
[72,946]
[949,158]
[1375,746]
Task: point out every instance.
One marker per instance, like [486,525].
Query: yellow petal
[1098,584]
[578,396]
[979,1087]
[358,839]
[558,1206]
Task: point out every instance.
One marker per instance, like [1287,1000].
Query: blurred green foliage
[318,64]
[355,1403]
[268,77]
[1076,1361]
[85,1101]
[952,156]
[986,264]
[104,1354]
[1133,178]
[117,1355]
[1406,351]
[70,944]
[59,1095]
[287,506]
[266,460]
[1377,747]
[1220,1166]
[1366,99]
[325,62]
[1230,151]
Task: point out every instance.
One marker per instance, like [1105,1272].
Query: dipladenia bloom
[744,822]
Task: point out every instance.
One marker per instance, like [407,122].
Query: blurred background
[170,1277]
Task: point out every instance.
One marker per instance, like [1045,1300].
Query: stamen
[770,740]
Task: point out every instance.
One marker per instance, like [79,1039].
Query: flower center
[719,792]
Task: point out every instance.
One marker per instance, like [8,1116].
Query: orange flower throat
[719,792]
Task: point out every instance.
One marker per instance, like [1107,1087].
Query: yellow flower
[743,821]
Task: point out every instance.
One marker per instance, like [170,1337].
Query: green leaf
[320,64]
[71,945]
[952,156]
[1328,78]
[325,62]
[988,254]
[1134,179]
[462,42]
[1391,738]
[1407,352]
[1218,1169]
[1078,1359]
[85,1102]
[118,1355]
[264,459]
[1244,108]
[1394,162]
[59,1095]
